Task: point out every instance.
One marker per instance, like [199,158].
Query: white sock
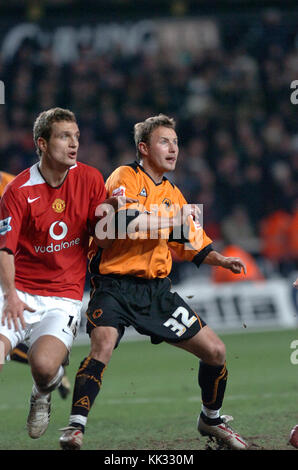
[78,419]
[213,414]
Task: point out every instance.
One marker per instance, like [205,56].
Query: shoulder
[125,170]
[16,184]
[15,194]
[123,173]
[86,170]
[83,173]
[173,188]
[170,184]
[6,178]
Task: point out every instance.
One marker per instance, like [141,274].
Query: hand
[13,310]
[295,284]
[112,204]
[234,264]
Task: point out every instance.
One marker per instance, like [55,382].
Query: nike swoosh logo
[32,200]
[67,332]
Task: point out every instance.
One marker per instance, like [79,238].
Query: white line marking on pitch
[196,398]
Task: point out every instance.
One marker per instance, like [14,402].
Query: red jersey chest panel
[49,229]
[55,215]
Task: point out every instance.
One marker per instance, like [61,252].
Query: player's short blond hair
[143,130]
[43,123]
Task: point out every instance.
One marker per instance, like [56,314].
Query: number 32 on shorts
[186,322]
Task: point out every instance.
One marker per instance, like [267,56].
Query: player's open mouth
[72,154]
[171,159]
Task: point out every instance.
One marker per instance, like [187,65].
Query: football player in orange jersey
[5,178]
[130,284]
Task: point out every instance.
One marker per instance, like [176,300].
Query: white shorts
[56,316]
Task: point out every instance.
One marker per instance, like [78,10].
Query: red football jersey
[47,229]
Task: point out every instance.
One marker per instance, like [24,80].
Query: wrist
[224,261]
[9,292]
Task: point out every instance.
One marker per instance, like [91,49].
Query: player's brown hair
[43,123]
[143,130]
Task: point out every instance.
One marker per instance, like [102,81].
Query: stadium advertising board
[65,40]
[256,305]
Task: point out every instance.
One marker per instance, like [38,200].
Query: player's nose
[73,143]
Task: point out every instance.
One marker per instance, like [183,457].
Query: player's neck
[53,175]
[154,173]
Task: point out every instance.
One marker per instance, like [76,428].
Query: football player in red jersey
[20,352]
[47,215]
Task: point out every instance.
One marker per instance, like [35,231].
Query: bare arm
[233,264]
[105,231]
[7,272]
[13,307]
[143,222]
[152,222]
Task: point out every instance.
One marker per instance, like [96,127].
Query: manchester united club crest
[58,205]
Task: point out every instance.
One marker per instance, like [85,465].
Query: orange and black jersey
[139,254]
[5,178]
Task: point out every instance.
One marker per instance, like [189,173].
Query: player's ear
[42,144]
[143,148]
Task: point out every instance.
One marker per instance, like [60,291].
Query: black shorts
[146,304]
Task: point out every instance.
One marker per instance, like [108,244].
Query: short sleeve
[123,182]
[190,242]
[12,214]
[98,195]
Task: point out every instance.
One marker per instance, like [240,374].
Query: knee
[43,369]
[103,341]
[5,350]
[216,354]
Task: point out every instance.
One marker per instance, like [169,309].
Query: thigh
[206,345]
[11,336]
[5,348]
[106,312]
[61,320]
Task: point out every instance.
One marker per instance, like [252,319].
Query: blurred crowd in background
[236,124]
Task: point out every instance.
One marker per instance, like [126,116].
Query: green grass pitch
[150,398]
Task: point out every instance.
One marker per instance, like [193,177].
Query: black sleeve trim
[95,262]
[7,250]
[123,219]
[199,258]
[184,230]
